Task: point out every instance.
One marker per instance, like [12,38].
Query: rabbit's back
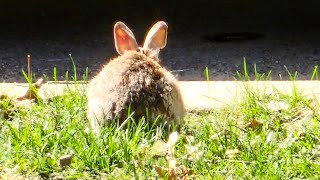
[138,81]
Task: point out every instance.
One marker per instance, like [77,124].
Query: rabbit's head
[156,39]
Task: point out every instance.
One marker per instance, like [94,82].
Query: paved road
[289,38]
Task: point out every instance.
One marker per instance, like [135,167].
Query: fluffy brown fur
[136,80]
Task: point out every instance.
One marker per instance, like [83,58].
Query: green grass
[220,144]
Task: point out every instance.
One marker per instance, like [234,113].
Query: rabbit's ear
[156,38]
[124,39]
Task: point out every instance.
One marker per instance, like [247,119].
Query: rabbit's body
[137,80]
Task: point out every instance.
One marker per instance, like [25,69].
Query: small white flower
[173,138]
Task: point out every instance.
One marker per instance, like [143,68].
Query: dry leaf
[184,172]
[176,173]
[167,149]
[254,124]
[32,93]
[161,171]
[230,153]
[65,160]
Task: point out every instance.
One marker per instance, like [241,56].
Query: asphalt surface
[217,36]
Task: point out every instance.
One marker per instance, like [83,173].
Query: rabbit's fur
[135,79]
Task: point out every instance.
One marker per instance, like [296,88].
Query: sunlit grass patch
[260,136]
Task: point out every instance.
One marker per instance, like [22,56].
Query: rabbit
[135,80]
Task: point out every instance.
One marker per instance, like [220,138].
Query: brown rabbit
[136,80]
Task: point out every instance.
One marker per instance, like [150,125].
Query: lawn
[263,136]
